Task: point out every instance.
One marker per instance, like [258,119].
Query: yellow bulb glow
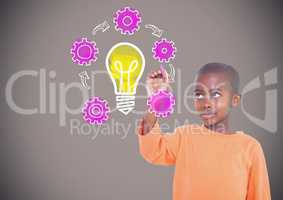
[125,64]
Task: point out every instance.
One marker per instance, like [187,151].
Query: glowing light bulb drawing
[125,64]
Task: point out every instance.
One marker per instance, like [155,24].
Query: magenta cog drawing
[84,52]
[127,20]
[161,103]
[96,111]
[164,50]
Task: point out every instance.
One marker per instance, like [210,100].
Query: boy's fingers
[140,127]
[156,80]
[159,74]
[154,74]
[151,81]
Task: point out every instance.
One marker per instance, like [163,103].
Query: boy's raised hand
[157,80]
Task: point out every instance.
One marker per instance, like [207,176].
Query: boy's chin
[214,122]
[209,122]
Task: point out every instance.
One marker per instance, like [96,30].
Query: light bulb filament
[118,66]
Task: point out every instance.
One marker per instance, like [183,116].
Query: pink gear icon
[161,103]
[127,20]
[84,52]
[96,111]
[164,50]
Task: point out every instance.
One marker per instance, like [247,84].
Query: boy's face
[213,97]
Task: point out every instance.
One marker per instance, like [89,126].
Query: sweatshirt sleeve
[258,185]
[159,148]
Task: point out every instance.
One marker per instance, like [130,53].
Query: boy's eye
[216,95]
[198,96]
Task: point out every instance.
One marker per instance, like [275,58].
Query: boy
[211,161]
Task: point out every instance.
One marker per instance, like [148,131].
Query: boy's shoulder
[250,142]
[242,140]
[195,128]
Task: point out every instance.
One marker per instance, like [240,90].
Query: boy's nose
[208,104]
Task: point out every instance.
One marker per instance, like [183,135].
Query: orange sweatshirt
[209,165]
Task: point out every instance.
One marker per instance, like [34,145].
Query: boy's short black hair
[228,70]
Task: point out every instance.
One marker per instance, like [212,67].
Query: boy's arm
[157,147]
[258,185]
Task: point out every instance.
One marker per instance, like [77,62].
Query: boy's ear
[236,99]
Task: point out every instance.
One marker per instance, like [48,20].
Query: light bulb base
[125,103]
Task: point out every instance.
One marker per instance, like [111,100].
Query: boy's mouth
[207,115]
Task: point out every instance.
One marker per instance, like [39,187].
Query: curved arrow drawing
[84,76]
[170,76]
[172,73]
[156,31]
[104,26]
